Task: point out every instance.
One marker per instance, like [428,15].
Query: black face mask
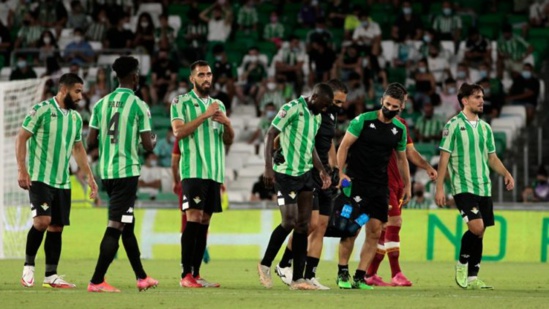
[334,109]
[389,114]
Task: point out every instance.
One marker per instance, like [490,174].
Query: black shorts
[288,187]
[202,194]
[372,198]
[475,207]
[323,200]
[52,202]
[122,193]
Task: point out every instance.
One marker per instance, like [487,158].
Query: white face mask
[144,24]
[127,26]
[154,163]
[172,139]
[271,86]
[253,58]
[47,40]
[182,90]
[77,39]
[81,104]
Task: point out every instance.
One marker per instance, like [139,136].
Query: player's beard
[69,103]
[203,91]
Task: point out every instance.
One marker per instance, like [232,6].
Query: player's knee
[477,230]
[55,228]
[41,223]
[205,220]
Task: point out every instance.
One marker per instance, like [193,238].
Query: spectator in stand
[438,63]
[223,71]
[78,17]
[144,33]
[462,74]
[196,39]
[309,13]
[493,100]
[22,70]
[163,149]
[368,38]
[52,14]
[6,44]
[404,53]
[477,49]
[337,11]
[525,91]
[164,35]
[429,38]
[216,92]
[118,36]
[164,76]
[274,31]
[348,61]
[539,14]
[425,84]
[375,83]
[428,127]
[99,88]
[495,84]
[261,193]
[539,190]
[30,32]
[289,62]
[150,181]
[351,22]
[407,24]
[97,30]
[323,58]
[268,113]
[448,99]
[448,25]
[319,33]
[247,17]
[144,93]
[219,24]
[7,9]
[255,71]
[53,70]
[79,50]
[419,201]
[355,97]
[512,51]
[272,92]
[48,48]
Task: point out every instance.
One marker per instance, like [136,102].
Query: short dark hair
[323,89]
[395,91]
[337,85]
[79,30]
[449,80]
[199,63]
[69,79]
[398,85]
[528,65]
[124,66]
[467,90]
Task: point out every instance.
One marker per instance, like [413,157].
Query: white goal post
[16,100]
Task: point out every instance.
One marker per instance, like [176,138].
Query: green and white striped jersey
[298,126]
[447,24]
[515,47]
[429,126]
[469,145]
[202,152]
[120,117]
[54,132]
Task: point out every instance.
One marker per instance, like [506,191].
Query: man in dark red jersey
[389,241]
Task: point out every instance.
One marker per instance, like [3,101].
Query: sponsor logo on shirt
[445,132]
[372,126]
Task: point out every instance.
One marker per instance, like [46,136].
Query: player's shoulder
[182,98]
[221,104]
[367,116]
[399,124]
[454,121]
[41,107]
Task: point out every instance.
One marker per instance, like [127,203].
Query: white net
[16,99]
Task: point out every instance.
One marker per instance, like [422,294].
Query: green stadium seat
[292,9]
[492,19]
[417,8]
[500,140]
[178,9]
[505,7]
[2,61]
[428,150]
[488,32]
[301,33]
[516,19]
[541,45]
[166,197]
[475,5]
[435,8]
[159,110]
[161,122]
[396,75]
[538,33]
[184,73]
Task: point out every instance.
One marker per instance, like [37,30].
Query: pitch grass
[517,285]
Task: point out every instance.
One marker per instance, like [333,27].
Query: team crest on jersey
[32,112]
[300,114]
[292,195]
[445,132]
[149,113]
[282,114]
[474,210]
[395,131]
[175,100]
[197,200]
[45,206]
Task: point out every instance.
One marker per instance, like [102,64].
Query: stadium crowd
[265,53]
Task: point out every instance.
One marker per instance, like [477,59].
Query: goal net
[16,100]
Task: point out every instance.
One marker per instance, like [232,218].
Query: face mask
[486,92]
[418,193]
[127,26]
[422,69]
[334,109]
[218,58]
[78,39]
[460,74]
[172,139]
[274,19]
[85,132]
[182,90]
[295,49]
[452,90]
[483,73]
[81,104]
[47,40]
[526,74]
[407,11]
[446,11]
[154,163]
[270,114]
[144,24]
[21,64]
[389,114]
[409,106]
[319,29]
[426,38]
[253,58]
[364,24]
[271,86]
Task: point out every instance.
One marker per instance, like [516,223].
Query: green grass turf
[517,285]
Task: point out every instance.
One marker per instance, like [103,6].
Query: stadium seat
[5,73]
[159,110]
[174,21]
[500,139]
[257,162]
[428,150]
[252,122]
[513,110]
[242,148]
[250,172]
[178,9]
[161,122]
[96,45]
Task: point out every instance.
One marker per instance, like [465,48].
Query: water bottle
[358,223]
[344,216]
[346,187]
